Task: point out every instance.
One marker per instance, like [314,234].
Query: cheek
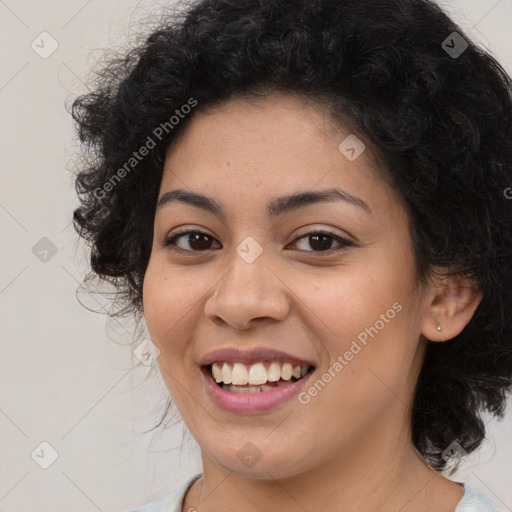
[168,310]
[343,303]
[364,322]
[169,297]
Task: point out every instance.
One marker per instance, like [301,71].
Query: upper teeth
[255,374]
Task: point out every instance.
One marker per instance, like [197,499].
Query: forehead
[274,118]
[279,142]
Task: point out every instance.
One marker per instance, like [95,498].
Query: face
[328,283]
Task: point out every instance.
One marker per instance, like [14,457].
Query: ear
[452,302]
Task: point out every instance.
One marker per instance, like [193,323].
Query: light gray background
[63,379]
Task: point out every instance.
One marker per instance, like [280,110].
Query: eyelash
[344,243]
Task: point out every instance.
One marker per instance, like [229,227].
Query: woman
[306,203]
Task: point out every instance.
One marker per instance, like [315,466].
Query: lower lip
[250,403]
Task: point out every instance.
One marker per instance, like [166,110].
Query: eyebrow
[275,208]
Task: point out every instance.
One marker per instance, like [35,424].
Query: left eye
[323,240]
[199,241]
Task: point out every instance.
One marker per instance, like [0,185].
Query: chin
[268,466]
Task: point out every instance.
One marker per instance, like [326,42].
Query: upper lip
[233,355]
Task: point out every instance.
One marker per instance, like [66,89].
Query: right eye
[195,238]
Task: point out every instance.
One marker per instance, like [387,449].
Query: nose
[248,292]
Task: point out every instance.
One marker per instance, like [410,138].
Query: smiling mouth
[257,378]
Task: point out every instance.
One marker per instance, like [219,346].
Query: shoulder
[474,501]
[170,501]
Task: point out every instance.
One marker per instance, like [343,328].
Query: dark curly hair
[440,124]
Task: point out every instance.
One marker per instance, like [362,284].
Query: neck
[365,475]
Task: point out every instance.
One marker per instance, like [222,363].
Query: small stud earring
[438,327]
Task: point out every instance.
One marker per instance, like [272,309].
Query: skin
[349,448]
